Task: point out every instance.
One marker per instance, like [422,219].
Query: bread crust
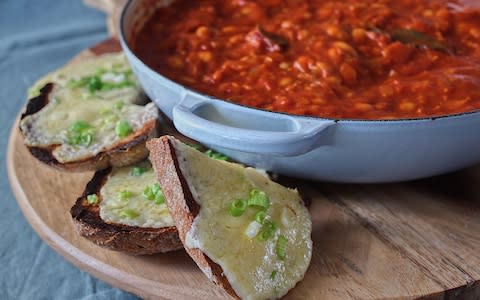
[129,239]
[123,153]
[181,204]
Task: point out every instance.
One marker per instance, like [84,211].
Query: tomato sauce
[371,59]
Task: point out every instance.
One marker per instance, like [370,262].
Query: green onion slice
[195,146]
[119,105]
[156,188]
[148,194]
[258,198]
[128,213]
[94,84]
[159,197]
[264,235]
[267,231]
[123,128]
[80,133]
[137,171]
[237,207]
[86,138]
[253,229]
[216,155]
[154,193]
[273,274]
[110,119]
[281,247]
[125,194]
[79,126]
[92,199]
[260,216]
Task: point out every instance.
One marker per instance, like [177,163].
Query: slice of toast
[249,235]
[114,213]
[88,116]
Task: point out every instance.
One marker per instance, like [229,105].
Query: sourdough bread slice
[88,116]
[260,254]
[114,213]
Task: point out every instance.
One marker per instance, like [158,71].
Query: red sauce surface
[370,59]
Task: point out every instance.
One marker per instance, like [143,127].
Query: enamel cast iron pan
[361,151]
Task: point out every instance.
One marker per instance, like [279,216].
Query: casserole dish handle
[221,124]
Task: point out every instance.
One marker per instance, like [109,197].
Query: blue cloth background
[36,37]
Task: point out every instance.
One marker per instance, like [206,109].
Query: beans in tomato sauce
[371,59]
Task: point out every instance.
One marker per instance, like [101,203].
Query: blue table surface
[37,37]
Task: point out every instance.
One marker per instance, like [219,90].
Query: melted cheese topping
[70,104]
[149,214]
[113,62]
[251,266]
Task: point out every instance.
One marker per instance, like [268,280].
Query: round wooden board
[409,240]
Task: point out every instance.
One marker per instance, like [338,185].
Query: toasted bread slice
[257,249]
[89,116]
[114,213]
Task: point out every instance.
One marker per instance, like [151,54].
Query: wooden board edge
[78,258]
[142,287]
[109,274]
[53,240]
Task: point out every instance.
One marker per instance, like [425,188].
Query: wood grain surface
[410,240]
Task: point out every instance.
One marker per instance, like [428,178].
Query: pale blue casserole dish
[308,147]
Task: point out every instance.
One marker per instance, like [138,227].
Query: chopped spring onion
[94,84]
[159,197]
[106,112]
[84,139]
[137,171]
[156,188]
[110,119]
[273,275]
[281,247]
[148,194]
[79,126]
[125,194]
[264,235]
[128,213]
[253,229]
[260,216]
[267,231]
[119,105]
[111,86]
[92,199]
[195,146]
[212,154]
[100,71]
[72,83]
[258,198]
[154,193]
[237,207]
[123,128]
[80,133]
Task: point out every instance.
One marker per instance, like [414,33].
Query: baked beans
[370,59]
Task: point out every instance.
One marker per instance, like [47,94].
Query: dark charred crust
[194,210]
[192,205]
[44,155]
[35,104]
[130,239]
[136,141]
[97,182]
